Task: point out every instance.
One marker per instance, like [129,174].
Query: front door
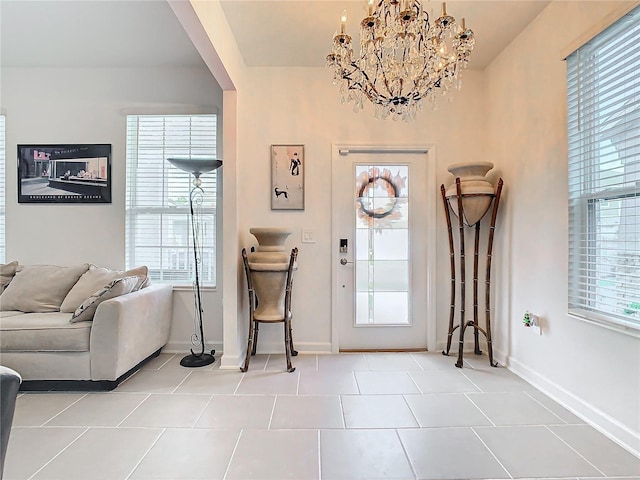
[382,212]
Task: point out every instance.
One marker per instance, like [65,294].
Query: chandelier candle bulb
[343,22]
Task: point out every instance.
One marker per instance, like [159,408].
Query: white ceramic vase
[477,191]
[268,266]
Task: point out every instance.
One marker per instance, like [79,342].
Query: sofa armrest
[129,328]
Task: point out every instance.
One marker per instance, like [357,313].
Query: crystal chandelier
[403,58]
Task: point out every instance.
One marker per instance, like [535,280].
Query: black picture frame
[64,173]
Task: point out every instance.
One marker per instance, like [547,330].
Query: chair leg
[287,345]
[255,338]
[250,347]
[294,352]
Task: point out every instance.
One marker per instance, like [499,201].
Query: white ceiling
[114,33]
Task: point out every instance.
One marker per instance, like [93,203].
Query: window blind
[603,86]
[158,228]
[3,162]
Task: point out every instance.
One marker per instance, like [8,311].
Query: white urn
[477,191]
[268,266]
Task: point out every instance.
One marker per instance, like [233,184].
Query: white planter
[477,191]
[269,265]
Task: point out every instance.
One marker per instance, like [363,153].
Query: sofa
[81,326]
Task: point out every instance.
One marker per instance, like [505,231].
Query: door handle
[344,261]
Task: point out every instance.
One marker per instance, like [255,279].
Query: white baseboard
[601,421]
[186,347]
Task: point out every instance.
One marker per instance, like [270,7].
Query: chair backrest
[9,386]
[292,262]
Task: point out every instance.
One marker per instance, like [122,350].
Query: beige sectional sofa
[86,324]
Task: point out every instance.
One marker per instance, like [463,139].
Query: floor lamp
[197,166]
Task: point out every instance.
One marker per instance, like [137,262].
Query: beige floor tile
[363,455]
[186,454]
[534,451]
[392,361]
[603,453]
[30,449]
[302,362]
[445,410]
[101,454]
[513,408]
[173,411]
[443,381]
[307,411]
[35,409]
[345,362]
[275,455]
[377,411]
[385,382]
[269,382]
[113,408]
[325,382]
[210,382]
[165,380]
[443,453]
[238,412]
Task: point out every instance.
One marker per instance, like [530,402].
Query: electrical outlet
[535,324]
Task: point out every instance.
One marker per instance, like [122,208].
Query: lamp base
[201,360]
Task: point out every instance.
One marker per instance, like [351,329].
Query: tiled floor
[357,416]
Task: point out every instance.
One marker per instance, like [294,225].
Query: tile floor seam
[415,383]
[562,420]
[64,409]
[406,454]
[479,409]
[144,455]
[204,409]
[491,451]
[233,453]
[183,380]
[472,382]
[60,452]
[404,397]
[242,377]
[576,451]
[273,410]
[344,420]
[416,361]
[319,457]
[355,378]
[131,412]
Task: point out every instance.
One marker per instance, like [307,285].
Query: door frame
[339,153]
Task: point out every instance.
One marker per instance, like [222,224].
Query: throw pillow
[117,287]
[7,271]
[40,288]
[96,278]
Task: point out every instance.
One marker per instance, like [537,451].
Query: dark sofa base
[82,385]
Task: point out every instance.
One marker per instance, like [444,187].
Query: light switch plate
[308,236]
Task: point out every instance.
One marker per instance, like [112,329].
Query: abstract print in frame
[287,177]
[64,173]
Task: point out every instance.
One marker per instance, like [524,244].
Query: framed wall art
[64,173]
[287,177]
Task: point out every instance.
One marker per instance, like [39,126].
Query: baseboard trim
[601,421]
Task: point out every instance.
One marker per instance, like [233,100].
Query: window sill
[189,288]
[588,317]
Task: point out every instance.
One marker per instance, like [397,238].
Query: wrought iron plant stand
[454,202]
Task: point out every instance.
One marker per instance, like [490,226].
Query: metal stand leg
[452,261]
[462,274]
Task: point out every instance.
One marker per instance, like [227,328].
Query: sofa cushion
[7,271]
[95,279]
[43,332]
[10,313]
[40,288]
[120,286]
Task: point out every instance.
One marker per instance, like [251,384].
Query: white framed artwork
[287,177]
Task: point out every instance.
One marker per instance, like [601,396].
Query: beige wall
[593,370]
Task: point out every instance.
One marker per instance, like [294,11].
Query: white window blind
[3,162]
[158,229]
[603,79]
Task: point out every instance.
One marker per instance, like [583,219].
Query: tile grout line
[153,444]
[63,410]
[131,412]
[479,409]
[573,449]
[319,457]
[404,397]
[406,454]
[183,380]
[344,421]
[490,451]
[202,412]
[472,382]
[273,410]
[415,383]
[233,453]
[59,453]
[564,422]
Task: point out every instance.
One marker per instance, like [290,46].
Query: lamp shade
[197,166]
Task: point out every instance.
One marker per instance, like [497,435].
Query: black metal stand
[472,323]
[197,359]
